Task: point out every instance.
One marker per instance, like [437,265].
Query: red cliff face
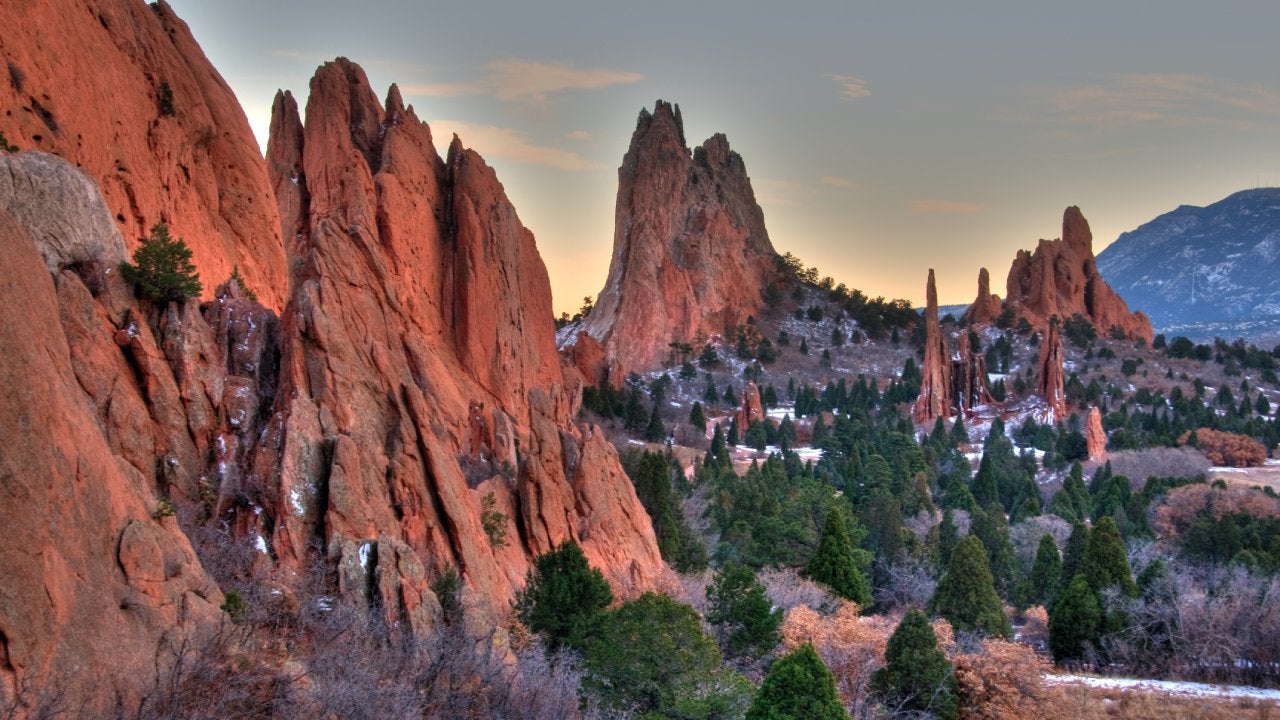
[419,371]
[1061,278]
[690,250]
[122,90]
[935,375]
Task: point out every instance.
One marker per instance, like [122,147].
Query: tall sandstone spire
[690,251]
[935,384]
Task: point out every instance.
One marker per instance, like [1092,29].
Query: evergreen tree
[966,595]
[1075,621]
[162,267]
[654,431]
[1073,554]
[739,605]
[819,431]
[804,346]
[1104,563]
[799,686]
[993,530]
[650,655]
[697,418]
[959,435]
[833,563]
[917,675]
[563,596]
[1046,572]
[948,538]
[710,396]
[985,488]
[719,450]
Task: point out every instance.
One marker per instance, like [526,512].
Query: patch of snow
[364,555]
[295,500]
[260,544]
[1169,687]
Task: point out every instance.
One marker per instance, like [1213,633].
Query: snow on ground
[1167,687]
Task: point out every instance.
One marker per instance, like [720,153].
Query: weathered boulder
[751,410]
[61,209]
[1061,279]
[690,251]
[121,89]
[936,397]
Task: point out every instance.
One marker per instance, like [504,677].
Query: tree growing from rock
[162,269]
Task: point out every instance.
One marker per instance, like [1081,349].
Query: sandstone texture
[969,377]
[1061,278]
[751,410]
[690,250]
[121,89]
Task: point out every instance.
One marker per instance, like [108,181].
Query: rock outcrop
[417,354]
[1061,278]
[690,251]
[969,377]
[99,587]
[1049,381]
[752,410]
[986,307]
[935,374]
[121,89]
[1095,437]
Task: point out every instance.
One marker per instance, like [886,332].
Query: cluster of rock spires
[397,370]
[1060,278]
[950,384]
[690,251]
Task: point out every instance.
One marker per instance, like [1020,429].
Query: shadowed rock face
[87,80]
[690,250]
[1061,278]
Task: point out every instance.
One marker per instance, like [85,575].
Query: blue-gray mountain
[1204,271]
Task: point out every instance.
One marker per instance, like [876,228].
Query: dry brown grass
[1081,702]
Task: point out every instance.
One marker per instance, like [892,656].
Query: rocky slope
[690,250]
[1212,267]
[122,90]
[1060,277]
[409,382]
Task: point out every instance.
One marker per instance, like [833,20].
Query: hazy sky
[882,138]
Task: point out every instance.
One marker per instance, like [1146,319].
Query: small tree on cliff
[162,267]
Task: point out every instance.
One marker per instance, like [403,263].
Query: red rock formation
[1095,437]
[94,585]
[1049,382]
[690,250]
[588,356]
[419,330]
[1061,278]
[85,80]
[752,410]
[986,307]
[969,378]
[935,386]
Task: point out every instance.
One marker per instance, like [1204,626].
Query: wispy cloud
[949,207]
[838,182]
[509,144]
[522,80]
[1169,99]
[778,193]
[579,135]
[851,87]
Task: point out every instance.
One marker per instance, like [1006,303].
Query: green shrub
[162,267]
[235,605]
[165,100]
[164,509]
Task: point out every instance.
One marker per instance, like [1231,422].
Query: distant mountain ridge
[1204,271]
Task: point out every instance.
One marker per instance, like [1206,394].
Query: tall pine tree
[833,563]
[966,595]
[798,687]
[917,675]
